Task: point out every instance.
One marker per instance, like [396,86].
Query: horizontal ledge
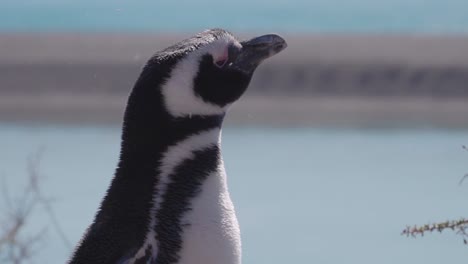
[255,110]
[334,48]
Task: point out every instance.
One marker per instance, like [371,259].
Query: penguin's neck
[149,129]
[175,167]
[152,151]
[149,138]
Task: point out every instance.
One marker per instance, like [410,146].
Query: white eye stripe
[178,92]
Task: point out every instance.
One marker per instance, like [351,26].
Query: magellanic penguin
[168,201]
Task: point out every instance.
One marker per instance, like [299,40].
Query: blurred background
[349,135]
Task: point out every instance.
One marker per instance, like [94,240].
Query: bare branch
[460,226]
[16,247]
[33,166]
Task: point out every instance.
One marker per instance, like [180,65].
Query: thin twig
[466,175]
[15,248]
[33,166]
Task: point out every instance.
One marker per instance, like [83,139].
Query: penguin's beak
[254,51]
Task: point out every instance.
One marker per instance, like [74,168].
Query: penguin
[168,201]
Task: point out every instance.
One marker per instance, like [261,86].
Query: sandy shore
[372,80]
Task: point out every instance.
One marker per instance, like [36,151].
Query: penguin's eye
[221,60]
[220,63]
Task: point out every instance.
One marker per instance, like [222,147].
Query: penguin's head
[204,74]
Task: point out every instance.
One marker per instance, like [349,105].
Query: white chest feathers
[212,234]
[210,231]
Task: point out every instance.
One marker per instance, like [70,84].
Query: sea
[298,16]
[303,194]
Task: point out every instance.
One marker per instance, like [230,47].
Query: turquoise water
[436,16]
[304,195]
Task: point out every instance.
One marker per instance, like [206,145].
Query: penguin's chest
[210,228]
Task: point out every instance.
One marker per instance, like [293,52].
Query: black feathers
[186,183]
[122,224]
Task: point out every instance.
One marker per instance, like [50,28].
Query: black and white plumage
[169,202]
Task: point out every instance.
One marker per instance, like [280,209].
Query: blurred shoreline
[253,110]
[351,80]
